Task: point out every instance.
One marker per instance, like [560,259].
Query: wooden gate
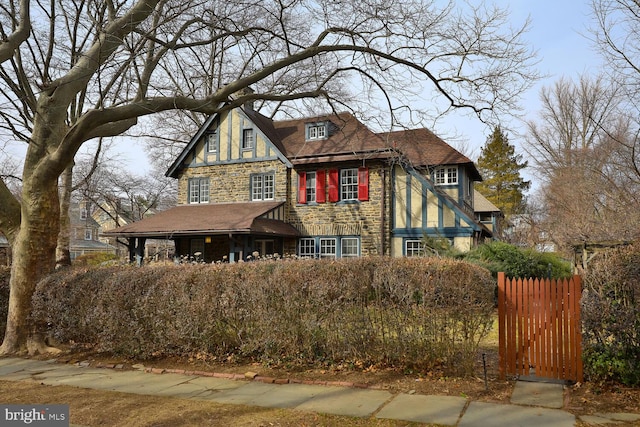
[539,327]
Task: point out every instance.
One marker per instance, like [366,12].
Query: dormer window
[445,175]
[316,131]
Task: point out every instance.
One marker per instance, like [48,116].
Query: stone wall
[231,182]
[353,218]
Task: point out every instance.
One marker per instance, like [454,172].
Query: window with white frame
[316,131]
[311,187]
[263,186]
[88,235]
[211,142]
[446,175]
[414,248]
[349,247]
[247,139]
[349,184]
[198,190]
[307,248]
[328,248]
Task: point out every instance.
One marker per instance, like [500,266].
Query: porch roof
[216,218]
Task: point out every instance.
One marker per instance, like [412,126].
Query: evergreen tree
[500,168]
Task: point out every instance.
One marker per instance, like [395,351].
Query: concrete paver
[619,416]
[594,420]
[444,410]
[532,404]
[529,393]
[346,401]
[482,414]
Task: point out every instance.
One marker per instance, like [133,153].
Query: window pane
[256,187]
[453,175]
[327,248]
[204,190]
[349,247]
[211,142]
[311,186]
[349,184]
[307,248]
[414,248]
[268,180]
[247,138]
[194,191]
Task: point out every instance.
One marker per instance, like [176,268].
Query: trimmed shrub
[418,313]
[611,316]
[519,262]
[94,259]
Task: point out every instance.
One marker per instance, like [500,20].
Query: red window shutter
[363,184]
[334,186]
[320,187]
[302,187]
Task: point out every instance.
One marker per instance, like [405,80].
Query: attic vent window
[316,131]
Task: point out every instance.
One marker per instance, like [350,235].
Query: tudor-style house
[321,187]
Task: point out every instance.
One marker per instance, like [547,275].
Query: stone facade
[366,219]
[229,183]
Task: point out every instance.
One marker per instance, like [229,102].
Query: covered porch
[223,232]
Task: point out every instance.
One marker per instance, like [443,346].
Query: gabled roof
[482,204]
[423,148]
[216,218]
[348,139]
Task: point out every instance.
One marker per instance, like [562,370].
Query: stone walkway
[533,404]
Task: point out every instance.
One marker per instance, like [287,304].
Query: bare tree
[583,148]
[616,35]
[94,69]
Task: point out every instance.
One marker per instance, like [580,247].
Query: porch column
[131,245]
[140,251]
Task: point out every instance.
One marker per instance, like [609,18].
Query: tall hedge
[611,316]
[419,313]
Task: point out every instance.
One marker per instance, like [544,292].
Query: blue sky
[558,31]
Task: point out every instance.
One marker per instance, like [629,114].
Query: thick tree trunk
[33,258]
[63,254]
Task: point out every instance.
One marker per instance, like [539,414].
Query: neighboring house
[5,251]
[523,230]
[488,214]
[84,232]
[322,187]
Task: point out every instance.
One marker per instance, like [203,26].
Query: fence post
[502,351]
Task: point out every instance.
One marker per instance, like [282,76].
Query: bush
[519,262]
[419,313]
[94,259]
[611,316]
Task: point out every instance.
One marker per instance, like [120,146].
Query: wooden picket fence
[539,328]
